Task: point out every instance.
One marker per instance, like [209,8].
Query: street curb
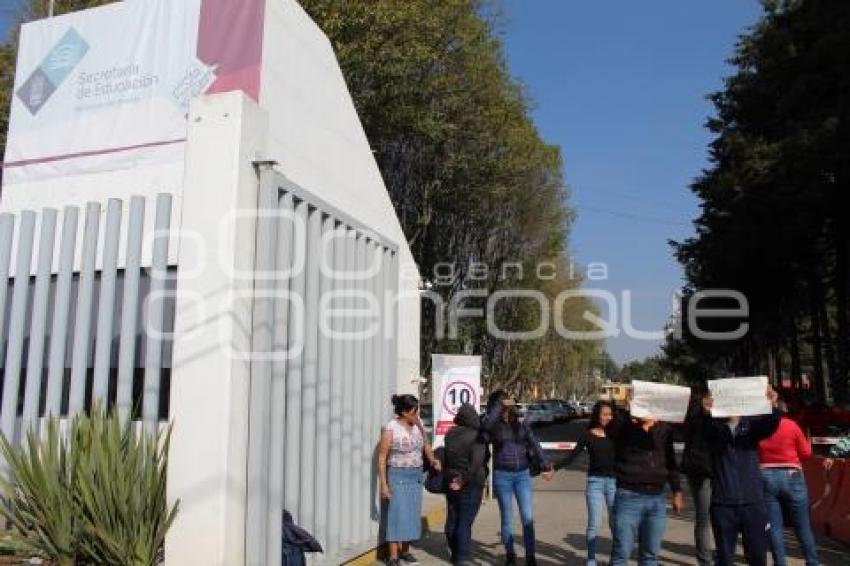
[432,520]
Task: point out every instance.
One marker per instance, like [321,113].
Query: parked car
[571,410]
[560,412]
[575,407]
[537,413]
[586,408]
[520,411]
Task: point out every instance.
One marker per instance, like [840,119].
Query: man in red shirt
[781,458]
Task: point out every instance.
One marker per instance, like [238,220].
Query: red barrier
[838,524]
[816,477]
[823,506]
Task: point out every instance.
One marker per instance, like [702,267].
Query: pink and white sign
[455,381]
[109,88]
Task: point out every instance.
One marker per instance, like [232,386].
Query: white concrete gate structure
[273,234]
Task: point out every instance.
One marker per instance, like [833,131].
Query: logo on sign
[198,78]
[459,393]
[53,71]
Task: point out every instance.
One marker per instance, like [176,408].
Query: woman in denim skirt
[400,460]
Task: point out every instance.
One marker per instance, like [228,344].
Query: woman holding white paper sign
[737,495]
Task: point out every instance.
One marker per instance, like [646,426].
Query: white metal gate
[323,361]
[319,400]
[70,337]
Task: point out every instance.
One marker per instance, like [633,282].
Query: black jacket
[645,460]
[298,537]
[465,453]
[696,460]
[737,477]
[511,447]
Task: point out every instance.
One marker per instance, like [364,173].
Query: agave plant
[99,498]
[120,492]
[37,496]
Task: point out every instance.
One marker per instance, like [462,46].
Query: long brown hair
[496,397]
[596,413]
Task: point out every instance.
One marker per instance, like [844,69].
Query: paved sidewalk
[560,521]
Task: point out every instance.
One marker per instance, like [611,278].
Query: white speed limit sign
[456,381]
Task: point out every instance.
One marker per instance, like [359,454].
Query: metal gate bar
[319,379]
[47,316]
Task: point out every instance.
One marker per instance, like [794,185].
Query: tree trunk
[829,351]
[772,357]
[796,369]
[841,278]
[817,342]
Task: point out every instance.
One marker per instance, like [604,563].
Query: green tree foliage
[773,222]
[471,179]
[654,368]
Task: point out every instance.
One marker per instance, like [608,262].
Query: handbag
[535,466]
[434,481]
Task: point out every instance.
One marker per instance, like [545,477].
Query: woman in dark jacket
[465,473]
[601,477]
[515,449]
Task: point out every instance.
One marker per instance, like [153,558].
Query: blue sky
[621,86]
[4,21]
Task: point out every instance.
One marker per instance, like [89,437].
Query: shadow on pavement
[433,547]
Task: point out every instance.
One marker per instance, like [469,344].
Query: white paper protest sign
[659,401]
[739,396]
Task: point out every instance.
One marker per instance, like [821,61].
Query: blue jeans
[462,508]
[638,518]
[506,486]
[785,488]
[600,495]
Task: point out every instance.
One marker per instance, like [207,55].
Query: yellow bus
[614,392]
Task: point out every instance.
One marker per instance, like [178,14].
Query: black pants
[701,492]
[462,508]
[750,521]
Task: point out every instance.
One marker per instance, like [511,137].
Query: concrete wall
[210,385]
